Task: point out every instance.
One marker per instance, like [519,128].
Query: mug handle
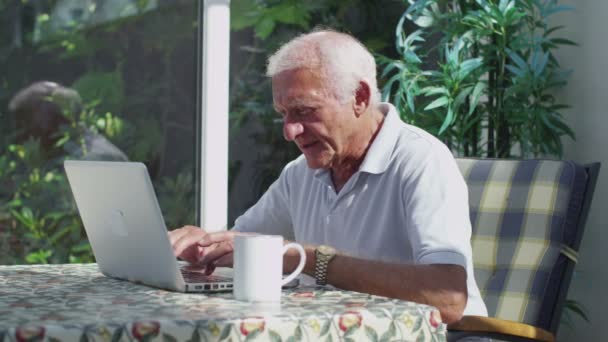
[300,267]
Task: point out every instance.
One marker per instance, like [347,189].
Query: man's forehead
[296,101]
[282,104]
[298,88]
[300,77]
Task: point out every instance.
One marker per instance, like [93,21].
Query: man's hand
[198,247]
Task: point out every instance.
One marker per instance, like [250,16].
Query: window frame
[212,114]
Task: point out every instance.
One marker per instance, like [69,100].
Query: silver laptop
[126,229]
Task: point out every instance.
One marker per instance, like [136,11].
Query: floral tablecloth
[77,303]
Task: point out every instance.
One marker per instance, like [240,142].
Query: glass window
[92,79]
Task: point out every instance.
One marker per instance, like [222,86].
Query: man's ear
[363,96]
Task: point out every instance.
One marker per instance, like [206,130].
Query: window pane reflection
[98,80]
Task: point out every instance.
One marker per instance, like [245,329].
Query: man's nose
[291,130]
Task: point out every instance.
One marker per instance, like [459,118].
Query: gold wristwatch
[323,255]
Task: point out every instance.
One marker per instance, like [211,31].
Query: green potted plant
[481,74]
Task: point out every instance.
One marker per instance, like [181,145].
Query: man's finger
[209,269]
[211,256]
[187,240]
[213,238]
[175,235]
[225,261]
[191,254]
[219,237]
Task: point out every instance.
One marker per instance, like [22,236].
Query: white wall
[587,93]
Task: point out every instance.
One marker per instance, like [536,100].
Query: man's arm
[440,285]
[443,286]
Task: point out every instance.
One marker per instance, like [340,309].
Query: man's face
[318,123]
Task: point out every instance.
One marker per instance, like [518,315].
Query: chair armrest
[503,327]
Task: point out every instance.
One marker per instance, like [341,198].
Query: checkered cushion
[523,212]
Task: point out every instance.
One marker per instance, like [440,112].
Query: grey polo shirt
[407,203]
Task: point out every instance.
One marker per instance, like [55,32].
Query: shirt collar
[378,156]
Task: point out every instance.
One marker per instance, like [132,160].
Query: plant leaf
[447,121]
[562,41]
[474,99]
[390,67]
[439,102]
[577,308]
[542,63]
[556,9]
[264,27]
[428,91]
[468,66]
[553,29]
[461,98]
[517,59]
[517,71]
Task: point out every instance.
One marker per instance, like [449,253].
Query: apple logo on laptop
[116,221]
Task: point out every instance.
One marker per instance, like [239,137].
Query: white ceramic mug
[258,267]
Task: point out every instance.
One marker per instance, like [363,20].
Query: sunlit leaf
[424,21]
[264,27]
[428,91]
[439,102]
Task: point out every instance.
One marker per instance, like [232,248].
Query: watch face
[326,249]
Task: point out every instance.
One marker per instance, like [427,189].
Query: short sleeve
[436,209]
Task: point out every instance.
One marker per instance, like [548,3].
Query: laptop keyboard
[199,277]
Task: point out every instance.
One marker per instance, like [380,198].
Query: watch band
[323,255]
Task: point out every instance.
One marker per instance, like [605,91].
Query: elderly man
[380,205]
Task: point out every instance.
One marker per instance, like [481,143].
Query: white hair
[341,60]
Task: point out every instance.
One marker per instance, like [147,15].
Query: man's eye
[305,111]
